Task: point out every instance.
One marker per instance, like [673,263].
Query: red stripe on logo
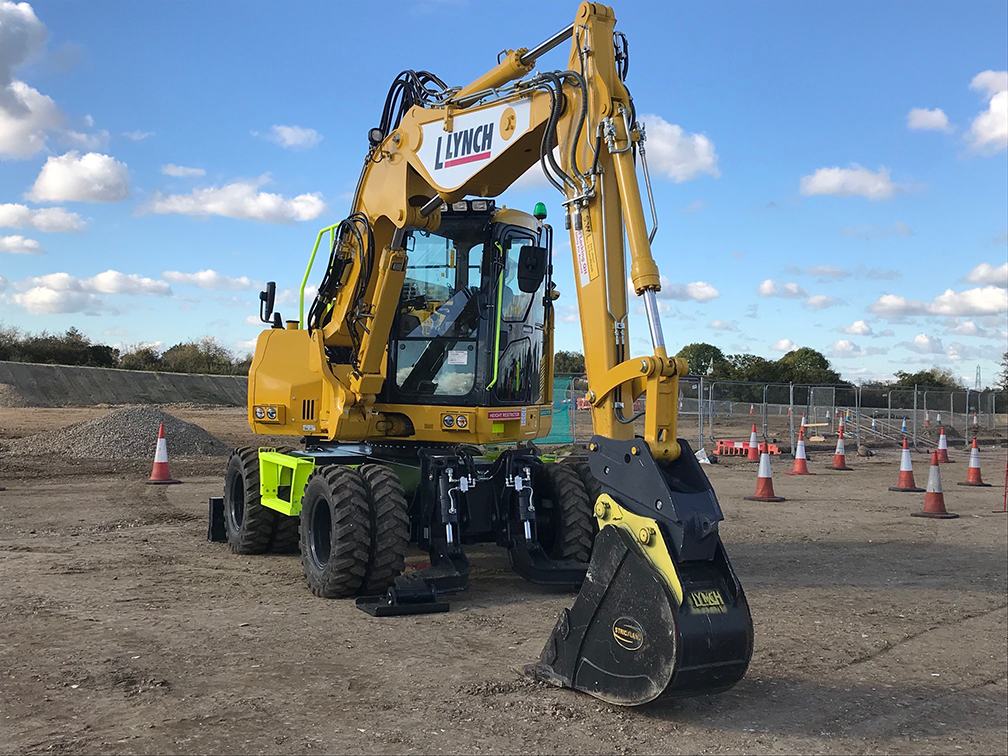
[467,159]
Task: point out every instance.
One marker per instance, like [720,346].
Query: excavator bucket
[660,612]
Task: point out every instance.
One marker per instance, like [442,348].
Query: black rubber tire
[335,532]
[250,526]
[591,484]
[565,531]
[389,527]
[287,538]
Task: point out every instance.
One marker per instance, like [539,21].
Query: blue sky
[830,175]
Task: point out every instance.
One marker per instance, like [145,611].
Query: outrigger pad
[216,532]
[397,603]
[627,641]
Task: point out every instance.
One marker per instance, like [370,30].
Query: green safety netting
[563,403]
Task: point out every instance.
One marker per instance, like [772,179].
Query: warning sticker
[504,414]
[589,247]
[457,357]
[582,257]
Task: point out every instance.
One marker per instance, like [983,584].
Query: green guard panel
[282,479]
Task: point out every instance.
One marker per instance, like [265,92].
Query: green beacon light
[539,211]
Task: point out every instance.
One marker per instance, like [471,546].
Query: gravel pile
[130,432]
[11,397]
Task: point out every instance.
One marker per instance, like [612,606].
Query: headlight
[462,421]
[449,421]
[260,413]
[271,413]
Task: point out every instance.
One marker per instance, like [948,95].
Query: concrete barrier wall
[68,386]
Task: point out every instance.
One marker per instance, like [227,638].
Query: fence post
[791,415]
[765,410]
[700,413]
[915,419]
[710,411]
[857,413]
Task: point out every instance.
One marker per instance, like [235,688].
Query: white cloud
[822,301]
[857,328]
[846,349]
[41,300]
[210,280]
[989,132]
[677,154]
[293,137]
[870,232]
[693,207]
[138,136]
[48,219]
[74,178]
[957,352]
[770,288]
[180,171]
[855,181]
[63,293]
[928,120]
[18,245]
[924,344]
[987,274]
[288,297]
[986,301]
[965,328]
[21,136]
[721,325]
[784,345]
[698,291]
[878,274]
[25,114]
[114,282]
[82,141]
[239,200]
[989,300]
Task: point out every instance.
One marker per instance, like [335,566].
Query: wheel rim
[236,510]
[321,533]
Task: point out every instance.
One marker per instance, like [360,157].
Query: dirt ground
[122,630]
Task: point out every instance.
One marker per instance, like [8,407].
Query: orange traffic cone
[840,456]
[906,478]
[927,419]
[750,409]
[976,423]
[973,474]
[800,460]
[934,499]
[764,482]
[160,475]
[754,449]
[943,448]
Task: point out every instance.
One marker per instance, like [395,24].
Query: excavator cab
[470,327]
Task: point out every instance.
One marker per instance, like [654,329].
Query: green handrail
[497,338]
[311,262]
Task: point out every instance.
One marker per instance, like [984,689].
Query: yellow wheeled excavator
[431,337]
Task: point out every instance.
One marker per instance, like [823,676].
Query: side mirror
[531,268]
[266,301]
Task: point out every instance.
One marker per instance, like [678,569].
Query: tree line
[802,366]
[206,356]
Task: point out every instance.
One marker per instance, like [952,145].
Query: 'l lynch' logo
[463,147]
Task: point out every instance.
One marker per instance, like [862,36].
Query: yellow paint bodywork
[646,534]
